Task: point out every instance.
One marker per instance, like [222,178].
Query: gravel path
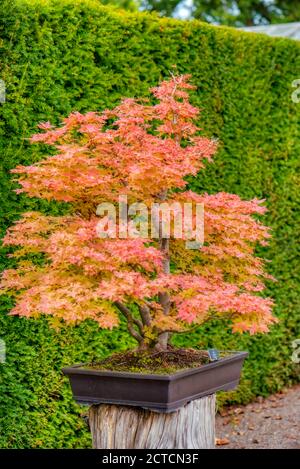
[273,422]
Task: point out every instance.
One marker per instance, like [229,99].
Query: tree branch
[131,320]
[164,297]
[145,314]
[186,331]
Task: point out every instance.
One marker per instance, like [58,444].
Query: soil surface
[162,362]
[273,422]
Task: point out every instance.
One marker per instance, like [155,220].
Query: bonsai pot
[162,393]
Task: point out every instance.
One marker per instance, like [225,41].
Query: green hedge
[63,55]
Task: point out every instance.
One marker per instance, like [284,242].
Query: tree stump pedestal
[125,427]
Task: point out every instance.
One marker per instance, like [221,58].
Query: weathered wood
[123,427]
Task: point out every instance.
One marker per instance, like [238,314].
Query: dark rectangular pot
[163,393]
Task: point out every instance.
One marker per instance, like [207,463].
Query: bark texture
[124,427]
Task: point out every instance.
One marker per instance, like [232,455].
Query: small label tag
[213,354]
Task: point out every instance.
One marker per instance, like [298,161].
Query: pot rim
[78,369]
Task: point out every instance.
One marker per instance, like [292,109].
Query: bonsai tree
[67,269]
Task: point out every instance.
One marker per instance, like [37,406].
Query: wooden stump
[124,427]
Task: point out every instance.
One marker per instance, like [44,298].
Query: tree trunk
[124,427]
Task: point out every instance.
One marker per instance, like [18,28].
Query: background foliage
[59,55]
[229,12]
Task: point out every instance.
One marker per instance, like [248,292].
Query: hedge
[63,55]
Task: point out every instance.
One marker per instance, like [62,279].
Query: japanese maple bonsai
[144,152]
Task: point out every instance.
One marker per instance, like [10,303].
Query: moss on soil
[162,362]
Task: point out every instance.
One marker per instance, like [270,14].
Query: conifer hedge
[57,56]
